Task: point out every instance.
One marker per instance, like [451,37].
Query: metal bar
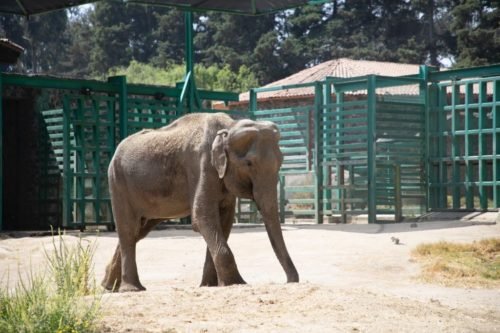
[455,96]
[1,151]
[496,143]
[120,82]
[80,162]
[442,147]
[318,156]
[327,169]
[67,206]
[457,74]
[57,83]
[469,190]
[285,87]
[371,146]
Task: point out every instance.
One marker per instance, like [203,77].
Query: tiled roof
[341,68]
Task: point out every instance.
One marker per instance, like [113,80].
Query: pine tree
[477,28]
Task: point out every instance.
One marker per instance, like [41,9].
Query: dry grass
[474,264]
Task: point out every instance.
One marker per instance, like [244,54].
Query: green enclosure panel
[400,151]
[144,112]
[297,175]
[464,152]
[344,142]
[349,148]
[89,134]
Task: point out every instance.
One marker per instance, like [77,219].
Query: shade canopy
[248,7]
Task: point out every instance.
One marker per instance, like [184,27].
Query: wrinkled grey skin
[196,166]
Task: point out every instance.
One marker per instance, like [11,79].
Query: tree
[41,37]
[169,34]
[76,58]
[225,39]
[111,45]
[476,25]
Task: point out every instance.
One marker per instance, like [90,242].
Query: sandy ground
[353,279]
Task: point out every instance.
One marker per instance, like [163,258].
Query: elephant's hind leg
[128,227]
[112,279]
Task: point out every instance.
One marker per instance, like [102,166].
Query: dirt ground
[353,279]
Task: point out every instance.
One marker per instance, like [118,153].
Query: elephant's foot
[209,281]
[231,280]
[129,287]
[112,286]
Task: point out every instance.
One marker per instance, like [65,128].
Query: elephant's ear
[219,155]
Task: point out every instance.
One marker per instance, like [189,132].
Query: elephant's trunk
[268,206]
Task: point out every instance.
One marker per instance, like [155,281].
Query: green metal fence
[350,150]
[464,139]
[298,174]
[84,122]
[390,156]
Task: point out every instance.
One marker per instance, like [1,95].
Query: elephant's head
[247,157]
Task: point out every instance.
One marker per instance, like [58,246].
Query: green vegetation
[64,301]
[210,78]
[475,264]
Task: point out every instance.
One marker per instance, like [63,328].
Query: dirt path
[353,279]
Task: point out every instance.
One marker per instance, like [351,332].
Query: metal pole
[1,154]
[398,205]
[318,156]
[372,205]
[121,82]
[189,78]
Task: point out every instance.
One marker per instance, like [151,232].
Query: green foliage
[210,78]
[54,304]
[90,42]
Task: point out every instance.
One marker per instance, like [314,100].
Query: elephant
[196,166]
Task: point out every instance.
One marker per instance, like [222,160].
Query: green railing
[464,137]
[85,123]
[377,154]
[349,150]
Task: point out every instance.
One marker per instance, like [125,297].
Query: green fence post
[496,140]
[428,96]
[66,177]
[318,152]
[1,153]
[372,100]
[442,191]
[455,167]
[327,173]
[252,105]
[121,83]
[340,168]
[398,205]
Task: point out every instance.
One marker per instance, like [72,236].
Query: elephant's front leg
[208,219]
[226,213]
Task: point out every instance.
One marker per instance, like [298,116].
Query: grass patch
[63,300]
[474,264]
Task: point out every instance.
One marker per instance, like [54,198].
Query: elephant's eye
[249,163]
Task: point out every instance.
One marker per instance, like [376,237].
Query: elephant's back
[178,141]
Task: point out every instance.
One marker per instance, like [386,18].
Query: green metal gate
[297,174]
[372,149]
[84,122]
[89,137]
[464,139]
[346,153]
